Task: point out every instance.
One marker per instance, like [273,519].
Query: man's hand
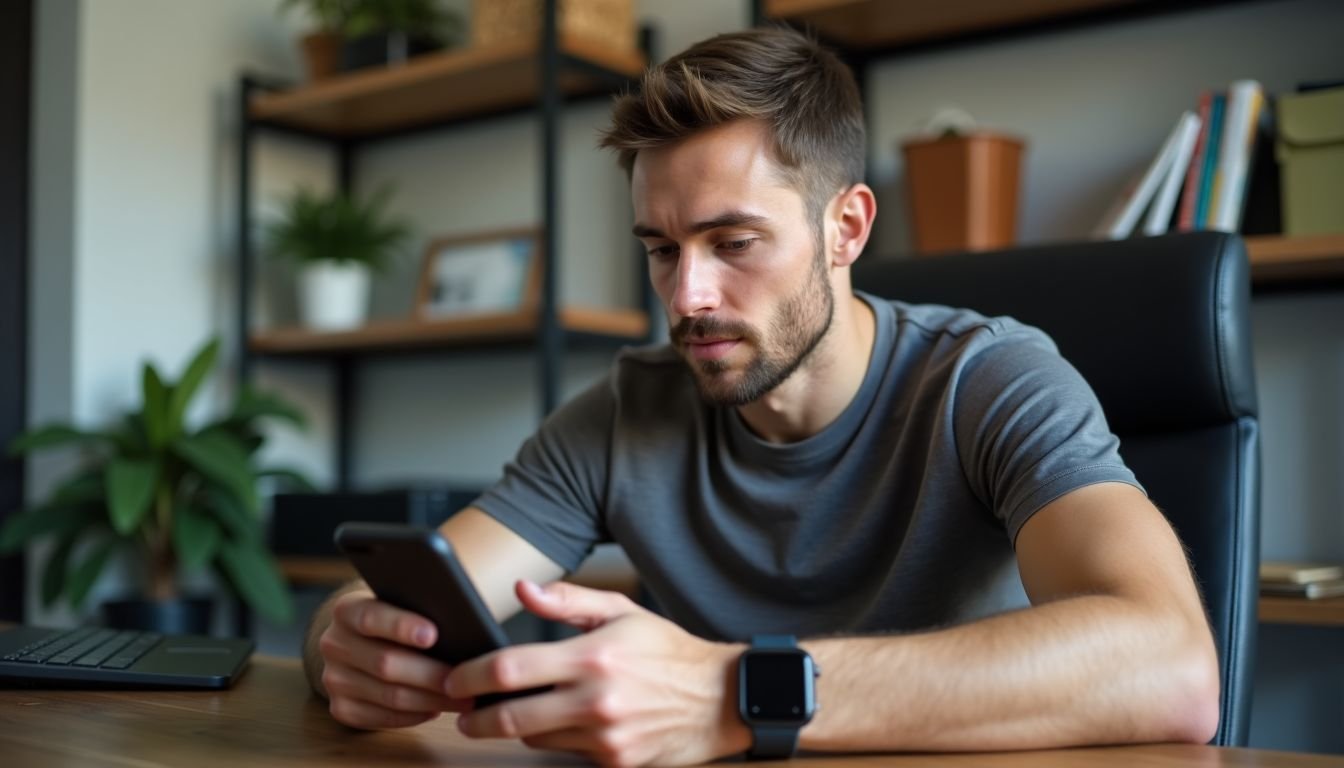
[372,673]
[634,690]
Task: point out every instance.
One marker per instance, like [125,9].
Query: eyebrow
[729,219]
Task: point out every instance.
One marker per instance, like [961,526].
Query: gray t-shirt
[899,515]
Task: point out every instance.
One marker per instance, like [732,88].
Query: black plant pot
[383,48]
[188,615]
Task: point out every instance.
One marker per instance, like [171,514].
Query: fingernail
[423,636]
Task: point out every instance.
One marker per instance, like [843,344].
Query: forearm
[312,656]
[1093,669]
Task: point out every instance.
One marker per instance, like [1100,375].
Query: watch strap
[773,741]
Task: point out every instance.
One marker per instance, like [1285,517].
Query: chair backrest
[1160,328]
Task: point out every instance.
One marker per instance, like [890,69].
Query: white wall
[133,237]
[132,218]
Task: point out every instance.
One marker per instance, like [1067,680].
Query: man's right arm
[361,654]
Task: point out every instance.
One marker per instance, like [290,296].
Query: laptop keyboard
[88,647]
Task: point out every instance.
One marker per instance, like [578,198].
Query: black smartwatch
[776,693]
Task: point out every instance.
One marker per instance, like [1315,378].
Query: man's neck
[820,390]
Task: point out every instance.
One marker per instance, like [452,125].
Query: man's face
[734,259]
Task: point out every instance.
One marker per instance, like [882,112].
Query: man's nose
[697,288]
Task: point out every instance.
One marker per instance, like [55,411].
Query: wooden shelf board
[457,332]
[629,323]
[1294,610]
[1283,258]
[436,87]
[888,23]
[316,571]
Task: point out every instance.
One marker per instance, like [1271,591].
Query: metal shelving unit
[432,92]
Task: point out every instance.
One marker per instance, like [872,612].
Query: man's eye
[737,246]
[663,251]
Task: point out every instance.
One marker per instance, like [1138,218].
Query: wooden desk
[270,719]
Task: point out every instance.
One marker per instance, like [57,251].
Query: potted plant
[337,243]
[383,32]
[322,47]
[177,497]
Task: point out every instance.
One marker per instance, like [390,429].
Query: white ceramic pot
[334,297]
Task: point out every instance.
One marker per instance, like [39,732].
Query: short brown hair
[804,94]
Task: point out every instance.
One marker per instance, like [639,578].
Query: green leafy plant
[316,228]
[423,19]
[331,16]
[174,496]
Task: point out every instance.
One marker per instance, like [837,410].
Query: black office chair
[1160,327]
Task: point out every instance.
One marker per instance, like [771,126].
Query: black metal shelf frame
[551,340]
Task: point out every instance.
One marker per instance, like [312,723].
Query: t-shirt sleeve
[1029,429]
[552,493]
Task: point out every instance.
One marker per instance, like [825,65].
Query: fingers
[343,682]
[520,667]
[373,680]
[535,665]
[574,605]
[366,615]
[386,661]
[561,710]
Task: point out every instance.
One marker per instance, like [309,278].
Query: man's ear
[849,218]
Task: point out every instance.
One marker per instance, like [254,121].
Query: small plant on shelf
[336,243]
[392,31]
[322,46]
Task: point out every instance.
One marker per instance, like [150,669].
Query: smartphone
[415,569]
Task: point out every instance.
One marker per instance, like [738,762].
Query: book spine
[1190,195]
[1133,208]
[1159,216]
[1238,129]
[1206,183]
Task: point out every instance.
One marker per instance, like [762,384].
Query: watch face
[777,685]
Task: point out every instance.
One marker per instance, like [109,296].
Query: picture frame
[480,274]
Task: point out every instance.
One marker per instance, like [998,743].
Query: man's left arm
[1115,648]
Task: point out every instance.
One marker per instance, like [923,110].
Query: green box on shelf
[1311,160]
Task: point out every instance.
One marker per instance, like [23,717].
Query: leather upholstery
[1160,327]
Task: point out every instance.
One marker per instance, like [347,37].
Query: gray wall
[133,240]
[1094,105]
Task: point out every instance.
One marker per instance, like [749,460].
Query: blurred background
[121,182]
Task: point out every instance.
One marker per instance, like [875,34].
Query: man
[888,482]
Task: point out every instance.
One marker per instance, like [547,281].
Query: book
[1298,573]
[1159,214]
[1195,173]
[1119,221]
[1245,99]
[1311,591]
[1207,174]
[1262,211]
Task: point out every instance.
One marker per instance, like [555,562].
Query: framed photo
[479,274]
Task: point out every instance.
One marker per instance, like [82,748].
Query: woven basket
[611,22]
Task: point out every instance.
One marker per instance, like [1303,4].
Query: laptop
[95,657]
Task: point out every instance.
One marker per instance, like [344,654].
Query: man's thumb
[579,607]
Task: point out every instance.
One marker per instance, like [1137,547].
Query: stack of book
[1307,580]
[1201,176]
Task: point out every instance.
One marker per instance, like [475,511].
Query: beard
[794,331]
